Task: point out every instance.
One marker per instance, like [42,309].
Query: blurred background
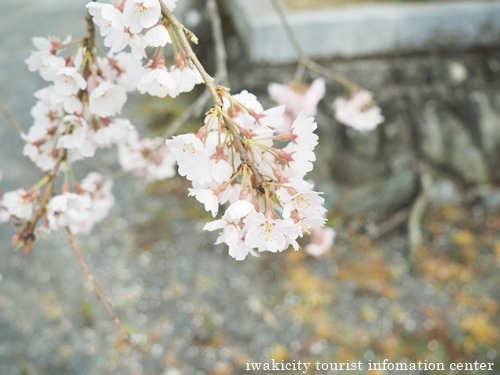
[413,274]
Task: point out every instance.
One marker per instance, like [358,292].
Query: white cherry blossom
[358,111]
[191,156]
[19,203]
[41,154]
[298,98]
[46,63]
[106,16]
[232,233]
[124,69]
[157,36]
[208,197]
[269,234]
[68,81]
[99,190]
[107,99]
[74,132]
[321,242]
[185,79]
[117,131]
[141,14]
[158,82]
[69,210]
[146,157]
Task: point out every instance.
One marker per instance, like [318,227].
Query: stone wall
[442,115]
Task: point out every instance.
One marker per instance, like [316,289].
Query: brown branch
[304,59]
[221,74]
[11,119]
[186,46]
[97,290]
[415,237]
[28,236]
[211,86]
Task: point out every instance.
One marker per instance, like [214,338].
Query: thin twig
[221,74]
[11,119]
[184,42]
[304,59]
[415,237]
[212,88]
[288,29]
[195,109]
[97,290]
[29,229]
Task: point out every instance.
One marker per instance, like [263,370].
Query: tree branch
[221,74]
[304,59]
[211,86]
[97,290]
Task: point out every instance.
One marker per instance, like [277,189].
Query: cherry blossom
[158,82]
[146,157]
[192,157]
[107,99]
[141,14]
[45,59]
[74,132]
[208,197]
[219,175]
[118,131]
[358,111]
[251,159]
[232,232]
[19,204]
[68,81]
[69,210]
[99,190]
[322,241]
[157,36]
[107,16]
[41,154]
[298,98]
[185,78]
[123,68]
[267,233]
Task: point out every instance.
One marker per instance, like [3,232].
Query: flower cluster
[139,24]
[79,211]
[251,161]
[76,114]
[298,98]
[242,157]
[358,111]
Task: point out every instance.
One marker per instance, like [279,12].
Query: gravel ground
[190,308]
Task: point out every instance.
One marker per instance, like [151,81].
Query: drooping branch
[95,286]
[28,236]
[211,85]
[186,46]
[221,74]
[304,59]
